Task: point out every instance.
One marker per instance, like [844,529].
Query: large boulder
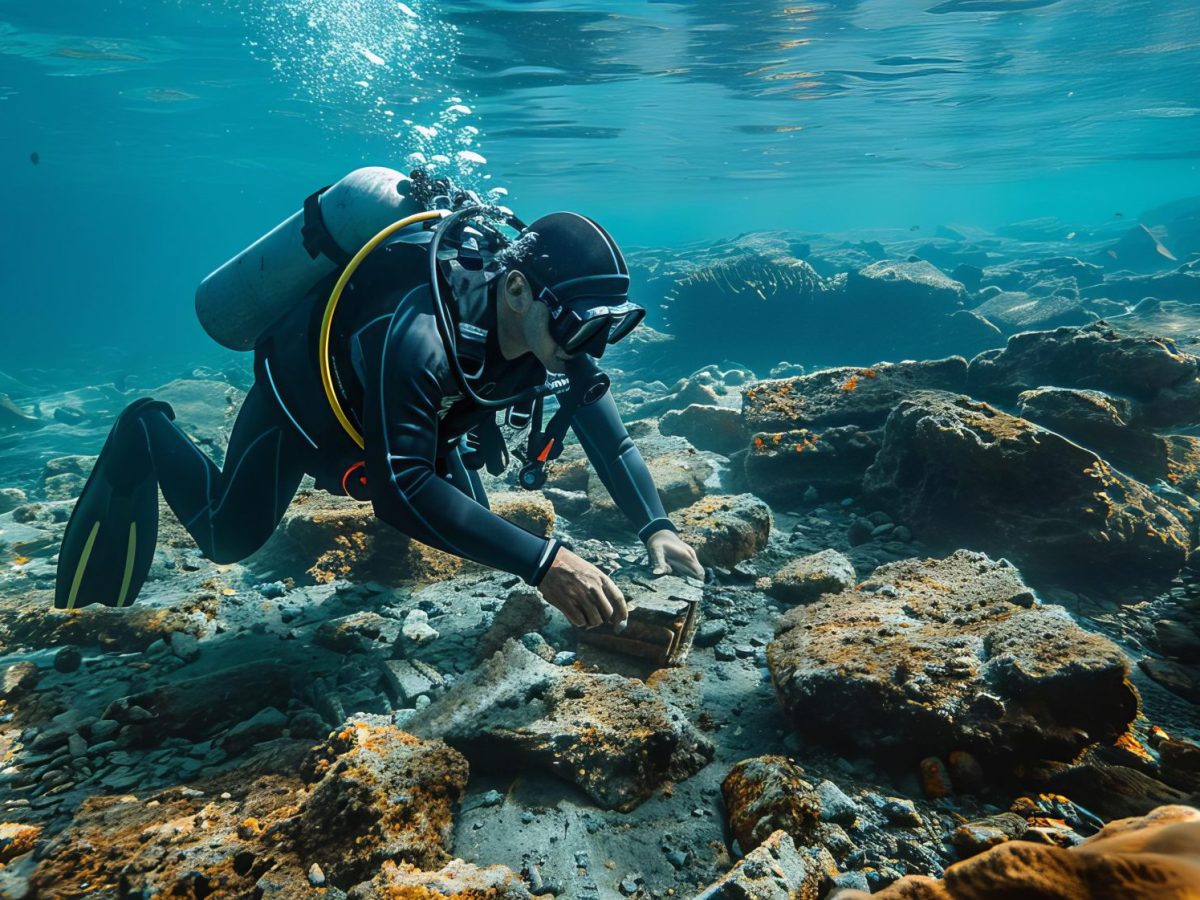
[378,794]
[725,530]
[931,656]
[613,737]
[1152,857]
[1161,380]
[958,470]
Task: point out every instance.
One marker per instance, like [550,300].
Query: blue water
[170,133]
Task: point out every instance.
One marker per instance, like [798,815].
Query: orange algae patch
[850,383]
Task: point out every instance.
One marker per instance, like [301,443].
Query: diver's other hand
[584,594]
[669,553]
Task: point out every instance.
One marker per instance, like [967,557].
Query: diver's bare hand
[584,594]
[668,553]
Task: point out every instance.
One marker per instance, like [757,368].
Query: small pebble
[527,817]
[677,858]
[68,659]
[491,798]
[629,887]
[315,876]
[564,658]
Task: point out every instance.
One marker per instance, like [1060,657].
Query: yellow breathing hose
[331,307]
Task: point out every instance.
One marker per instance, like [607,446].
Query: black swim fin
[109,542]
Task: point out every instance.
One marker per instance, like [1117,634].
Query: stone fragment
[725,530]
[808,577]
[776,870]
[614,737]
[18,678]
[929,656]
[836,807]
[407,679]
[983,834]
[417,628]
[768,794]
[524,611]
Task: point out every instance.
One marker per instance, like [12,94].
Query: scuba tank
[242,298]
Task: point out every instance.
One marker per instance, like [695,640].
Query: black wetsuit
[392,374]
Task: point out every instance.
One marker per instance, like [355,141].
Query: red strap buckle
[348,485]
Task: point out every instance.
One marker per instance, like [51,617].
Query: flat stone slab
[930,656]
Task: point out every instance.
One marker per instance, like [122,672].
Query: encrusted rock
[1153,857]
[379,794]
[725,530]
[785,465]
[959,470]
[456,879]
[776,870]
[845,396]
[768,794]
[612,736]
[808,577]
[929,656]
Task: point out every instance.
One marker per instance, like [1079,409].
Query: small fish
[1119,215]
[914,228]
[34,158]
[1070,236]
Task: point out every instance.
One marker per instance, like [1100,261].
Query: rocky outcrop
[613,737]
[1153,857]
[931,656]
[845,396]
[1160,380]
[905,290]
[724,530]
[960,471]
[768,794]
[373,794]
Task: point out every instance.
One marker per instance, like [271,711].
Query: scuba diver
[381,374]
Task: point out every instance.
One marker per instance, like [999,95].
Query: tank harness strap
[315,233]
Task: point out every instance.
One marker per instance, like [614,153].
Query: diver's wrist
[654,526]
